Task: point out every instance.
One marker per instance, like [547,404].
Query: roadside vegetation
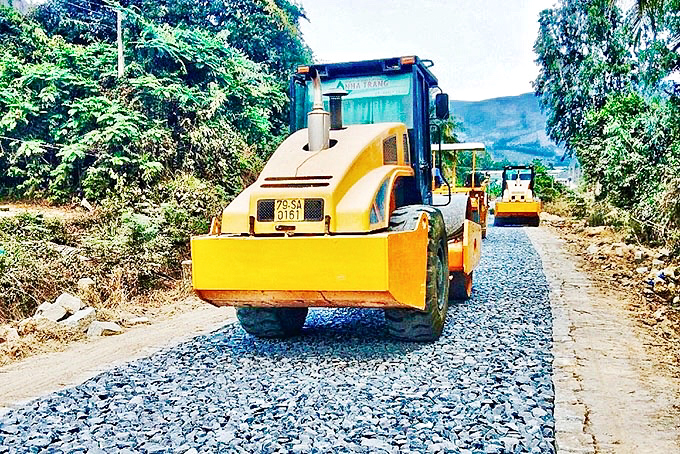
[154,153]
[610,84]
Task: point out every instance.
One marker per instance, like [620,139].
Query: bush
[36,264]
[132,245]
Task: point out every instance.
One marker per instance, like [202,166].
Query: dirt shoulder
[613,394]
[85,359]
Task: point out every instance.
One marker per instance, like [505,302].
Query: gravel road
[484,387]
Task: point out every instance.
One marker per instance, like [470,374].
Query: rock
[340,385]
[82,319]
[663,252]
[137,321]
[642,270]
[620,251]
[69,302]
[8,334]
[85,204]
[65,251]
[49,311]
[671,271]
[639,255]
[376,444]
[676,300]
[593,231]
[657,262]
[592,249]
[85,284]
[103,329]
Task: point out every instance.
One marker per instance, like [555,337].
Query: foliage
[267,31]
[189,102]
[33,267]
[448,129]
[134,243]
[463,163]
[582,58]
[162,149]
[609,84]
[545,186]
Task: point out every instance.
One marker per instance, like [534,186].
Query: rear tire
[460,286]
[426,325]
[272,322]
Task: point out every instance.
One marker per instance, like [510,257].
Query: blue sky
[481,48]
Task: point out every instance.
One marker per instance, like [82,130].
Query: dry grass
[43,336]
[559,207]
[37,336]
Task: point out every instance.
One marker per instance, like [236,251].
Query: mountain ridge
[511,127]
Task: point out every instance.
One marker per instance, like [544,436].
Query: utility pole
[119,27]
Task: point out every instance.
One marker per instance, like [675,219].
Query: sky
[481,48]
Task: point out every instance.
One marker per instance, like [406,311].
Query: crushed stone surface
[342,386]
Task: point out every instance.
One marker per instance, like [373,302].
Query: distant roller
[455,213]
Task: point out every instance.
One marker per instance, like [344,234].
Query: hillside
[512,127]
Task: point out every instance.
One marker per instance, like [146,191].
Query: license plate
[289,210]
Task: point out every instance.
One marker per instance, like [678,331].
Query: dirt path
[42,375]
[611,395]
[15,209]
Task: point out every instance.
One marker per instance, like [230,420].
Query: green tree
[582,54]
[545,186]
[267,31]
[189,102]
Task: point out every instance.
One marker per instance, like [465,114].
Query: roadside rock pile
[66,318]
[70,312]
[653,267]
[663,282]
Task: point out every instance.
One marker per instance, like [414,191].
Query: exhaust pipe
[318,120]
[335,102]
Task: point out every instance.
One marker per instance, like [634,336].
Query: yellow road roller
[518,204]
[343,213]
[474,183]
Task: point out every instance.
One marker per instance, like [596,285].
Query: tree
[189,102]
[545,186]
[583,57]
[605,84]
[267,31]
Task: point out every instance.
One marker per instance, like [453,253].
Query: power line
[42,144]
[100,18]
[83,8]
[102,5]
[56,147]
[90,24]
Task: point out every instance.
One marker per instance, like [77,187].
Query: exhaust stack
[335,103]
[318,120]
